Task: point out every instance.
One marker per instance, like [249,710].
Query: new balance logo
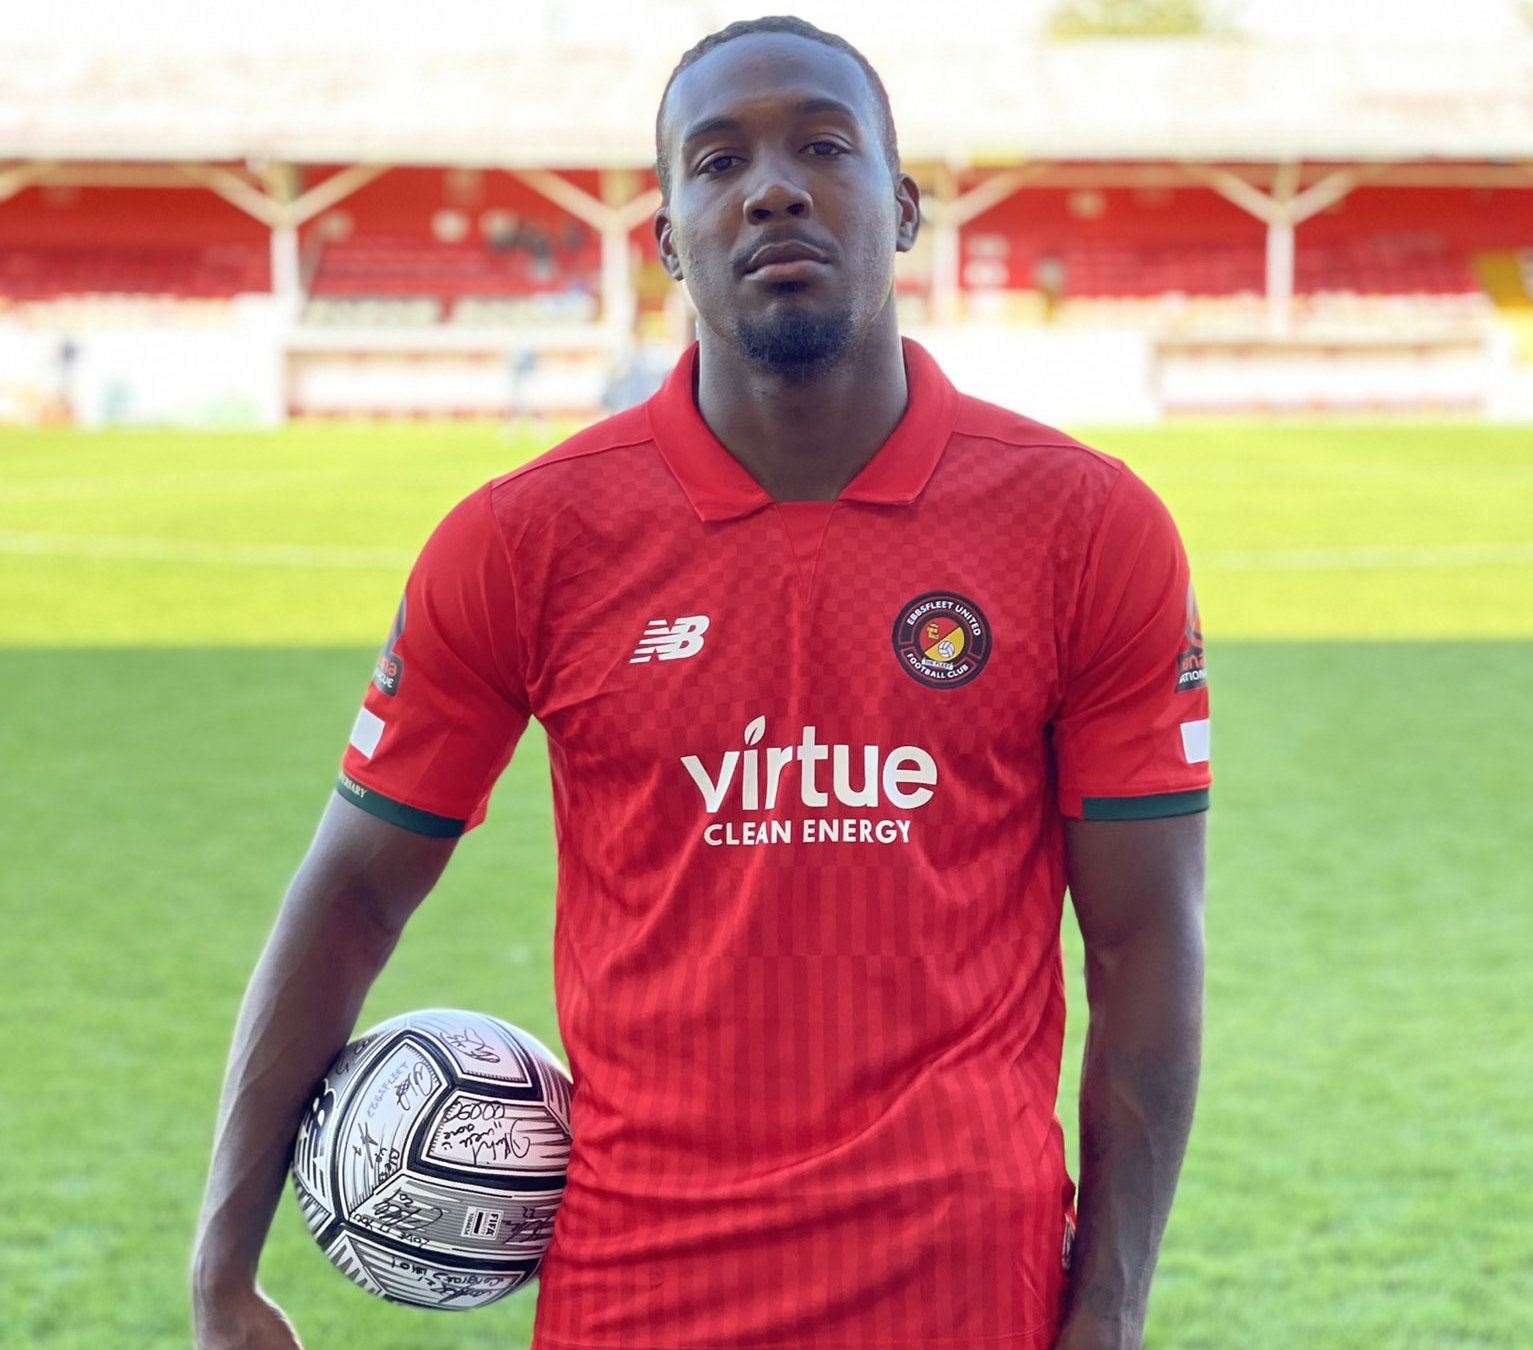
[670,641]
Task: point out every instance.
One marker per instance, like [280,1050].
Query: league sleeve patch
[1195,741]
[366,732]
[390,669]
[1191,672]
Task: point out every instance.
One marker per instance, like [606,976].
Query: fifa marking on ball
[483,1223]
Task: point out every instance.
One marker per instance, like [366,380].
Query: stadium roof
[584,101]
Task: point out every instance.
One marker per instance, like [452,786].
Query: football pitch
[187,622]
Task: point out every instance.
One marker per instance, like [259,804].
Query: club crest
[941,639]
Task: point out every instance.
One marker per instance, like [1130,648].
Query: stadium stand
[1422,264]
[72,241]
[455,281]
[1119,242]
[187,271]
[460,245]
[1227,209]
[414,235]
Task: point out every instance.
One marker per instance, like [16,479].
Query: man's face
[774,144]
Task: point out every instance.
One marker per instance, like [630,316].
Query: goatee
[796,345]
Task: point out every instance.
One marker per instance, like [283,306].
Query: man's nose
[775,193]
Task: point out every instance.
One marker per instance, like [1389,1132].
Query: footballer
[846,677]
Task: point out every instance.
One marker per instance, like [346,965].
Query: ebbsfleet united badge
[941,639]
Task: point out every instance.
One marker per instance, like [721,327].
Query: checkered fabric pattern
[815,1073]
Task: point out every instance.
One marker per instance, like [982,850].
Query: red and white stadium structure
[1114,230]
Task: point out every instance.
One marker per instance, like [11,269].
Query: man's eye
[717,164]
[820,147]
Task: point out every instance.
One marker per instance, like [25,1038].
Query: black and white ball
[431,1162]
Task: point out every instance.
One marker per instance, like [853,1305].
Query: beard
[796,345]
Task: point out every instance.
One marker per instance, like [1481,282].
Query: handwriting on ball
[484,1132]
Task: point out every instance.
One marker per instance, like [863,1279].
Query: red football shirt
[810,765]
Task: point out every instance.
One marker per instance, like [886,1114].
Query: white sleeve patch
[368,729]
[1195,741]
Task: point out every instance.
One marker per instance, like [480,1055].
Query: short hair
[776,23]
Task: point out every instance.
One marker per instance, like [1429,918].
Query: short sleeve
[447,702]
[1131,736]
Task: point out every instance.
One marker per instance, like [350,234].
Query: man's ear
[668,257]
[907,200]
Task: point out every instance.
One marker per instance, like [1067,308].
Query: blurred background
[278,285]
[1290,206]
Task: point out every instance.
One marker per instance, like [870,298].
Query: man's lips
[797,269]
[784,260]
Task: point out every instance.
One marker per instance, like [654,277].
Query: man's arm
[358,884]
[1138,892]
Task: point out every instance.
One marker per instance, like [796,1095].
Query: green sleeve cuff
[1145,808]
[397,813]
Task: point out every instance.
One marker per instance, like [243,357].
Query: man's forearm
[301,1004]
[1138,1087]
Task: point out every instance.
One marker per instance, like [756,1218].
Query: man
[844,676]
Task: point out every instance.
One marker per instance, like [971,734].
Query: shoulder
[1025,441]
[604,460]
[602,453]
[1006,456]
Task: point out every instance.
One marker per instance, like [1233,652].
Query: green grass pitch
[187,623]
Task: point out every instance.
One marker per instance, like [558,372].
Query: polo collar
[719,487]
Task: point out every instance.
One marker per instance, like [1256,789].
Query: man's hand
[342,916]
[247,1320]
[1138,892]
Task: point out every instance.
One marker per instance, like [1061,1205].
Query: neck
[804,440]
